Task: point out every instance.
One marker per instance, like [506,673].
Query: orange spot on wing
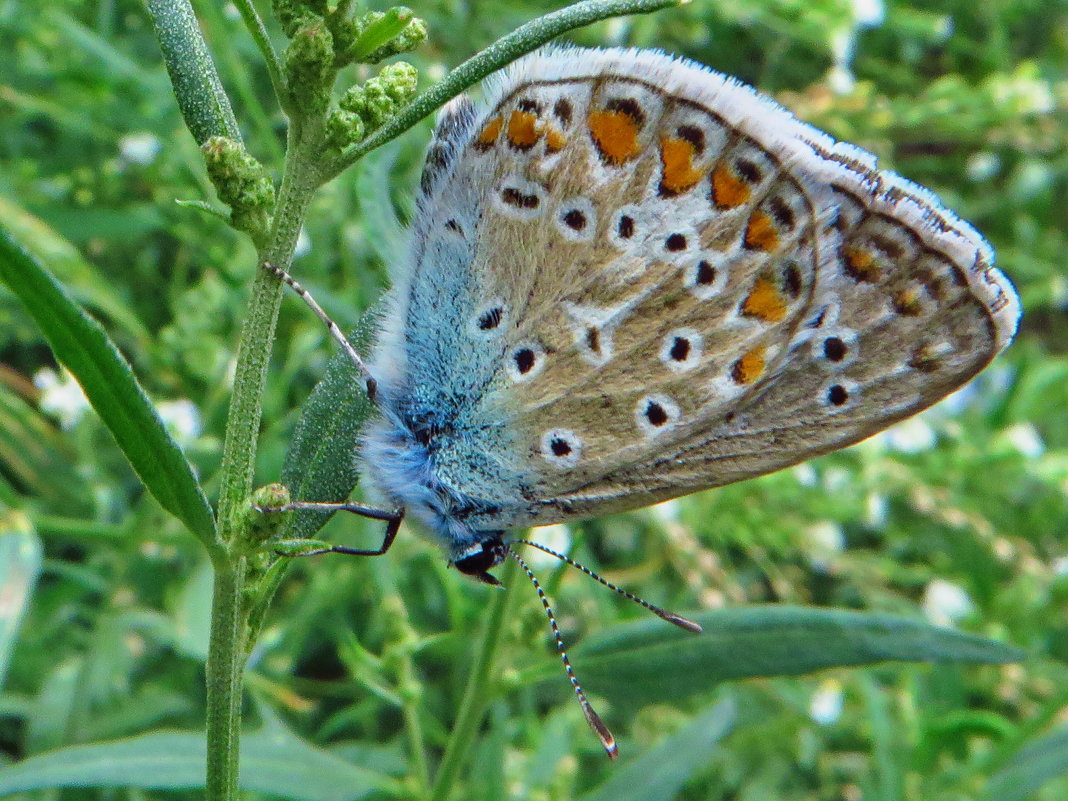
[616,135]
[728,190]
[555,140]
[490,132]
[522,129]
[860,264]
[764,302]
[907,302]
[679,173]
[750,367]
[760,233]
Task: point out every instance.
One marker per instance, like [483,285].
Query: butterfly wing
[637,278]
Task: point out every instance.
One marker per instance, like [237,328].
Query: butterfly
[632,278]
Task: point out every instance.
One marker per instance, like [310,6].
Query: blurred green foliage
[959,515]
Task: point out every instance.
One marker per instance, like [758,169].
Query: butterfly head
[482,556]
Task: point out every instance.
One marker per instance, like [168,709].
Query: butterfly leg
[333,327]
[392,519]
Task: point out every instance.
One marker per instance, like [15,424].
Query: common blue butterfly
[632,278]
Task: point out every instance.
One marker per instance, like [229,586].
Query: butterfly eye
[656,414]
[561,447]
[525,362]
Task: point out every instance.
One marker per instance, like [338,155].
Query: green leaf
[660,772]
[197,87]
[272,761]
[321,463]
[20,565]
[1043,759]
[50,247]
[83,347]
[650,660]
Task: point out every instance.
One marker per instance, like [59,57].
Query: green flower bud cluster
[242,183]
[366,107]
[309,64]
[295,14]
[322,41]
[377,35]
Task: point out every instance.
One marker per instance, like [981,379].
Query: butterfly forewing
[660,282]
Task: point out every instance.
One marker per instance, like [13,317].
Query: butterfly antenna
[335,330]
[664,614]
[602,732]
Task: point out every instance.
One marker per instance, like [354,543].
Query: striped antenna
[333,327]
[664,614]
[602,732]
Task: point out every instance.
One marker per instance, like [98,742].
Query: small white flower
[61,396]
[806,474]
[868,13]
[139,148]
[827,702]
[667,512]
[876,510]
[911,436]
[182,419]
[982,166]
[825,540]
[944,603]
[1024,437]
[841,79]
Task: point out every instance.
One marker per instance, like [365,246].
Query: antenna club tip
[683,623]
[602,731]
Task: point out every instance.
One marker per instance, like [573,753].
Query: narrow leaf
[83,347]
[660,772]
[321,464]
[1043,759]
[200,94]
[274,762]
[649,660]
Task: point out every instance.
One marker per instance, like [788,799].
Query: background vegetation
[957,516]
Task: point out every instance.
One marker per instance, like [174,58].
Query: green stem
[476,694]
[226,661]
[226,650]
[263,42]
[499,54]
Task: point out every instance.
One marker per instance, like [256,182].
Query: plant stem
[226,660]
[226,650]
[480,678]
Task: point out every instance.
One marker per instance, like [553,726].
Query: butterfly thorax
[413,457]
